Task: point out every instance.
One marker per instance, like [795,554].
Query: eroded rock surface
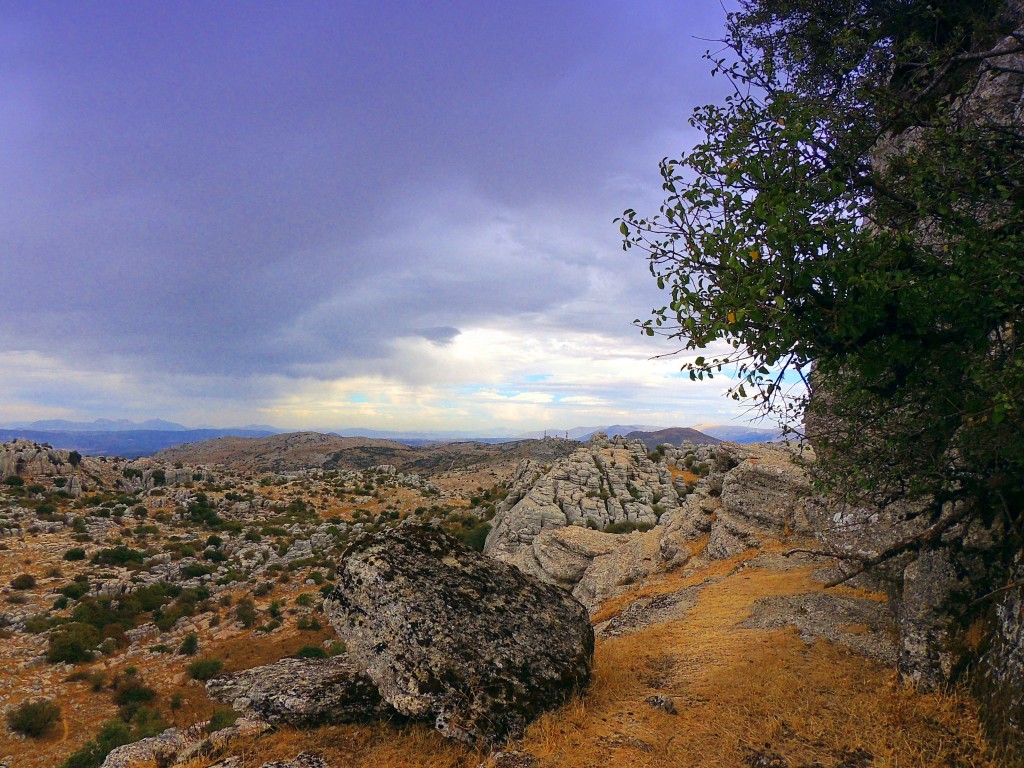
[302,692]
[605,482]
[448,634]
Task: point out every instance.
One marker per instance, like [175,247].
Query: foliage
[119,555]
[23,581]
[75,553]
[113,734]
[189,645]
[311,652]
[33,718]
[204,669]
[72,643]
[847,211]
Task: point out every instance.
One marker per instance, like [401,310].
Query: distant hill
[129,443]
[306,450]
[673,436]
[585,433]
[738,434]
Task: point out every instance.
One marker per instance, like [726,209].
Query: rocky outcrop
[450,635]
[561,556]
[747,494]
[302,692]
[178,747]
[762,494]
[606,482]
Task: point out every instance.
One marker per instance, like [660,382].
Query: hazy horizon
[384,214]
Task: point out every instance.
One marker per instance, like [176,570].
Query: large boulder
[448,634]
[302,692]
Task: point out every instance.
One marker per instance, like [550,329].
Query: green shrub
[14,481]
[222,718]
[119,555]
[245,612]
[204,669]
[23,581]
[311,652]
[189,645]
[131,690]
[75,589]
[72,643]
[474,535]
[112,735]
[75,553]
[34,718]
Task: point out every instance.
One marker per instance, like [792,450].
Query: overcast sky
[328,214]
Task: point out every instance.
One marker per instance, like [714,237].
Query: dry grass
[736,690]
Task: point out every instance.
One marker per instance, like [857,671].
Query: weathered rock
[663,703]
[302,692]
[449,634]
[301,760]
[606,482]
[1000,678]
[762,493]
[608,575]
[561,556]
[161,749]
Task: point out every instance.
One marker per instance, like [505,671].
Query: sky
[395,215]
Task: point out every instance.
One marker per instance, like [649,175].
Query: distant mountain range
[131,439]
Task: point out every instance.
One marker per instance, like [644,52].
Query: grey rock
[302,692]
[448,634]
[663,703]
[864,625]
[301,760]
[1000,678]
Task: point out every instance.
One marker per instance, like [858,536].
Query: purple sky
[331,214]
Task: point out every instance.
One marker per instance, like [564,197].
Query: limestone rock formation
[448,634]
[748,494]
[302,692]
[605,482]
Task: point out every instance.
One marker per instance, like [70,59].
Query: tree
[855,208]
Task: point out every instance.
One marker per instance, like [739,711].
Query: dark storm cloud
[286,188]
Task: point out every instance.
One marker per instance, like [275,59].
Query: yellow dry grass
[736,690]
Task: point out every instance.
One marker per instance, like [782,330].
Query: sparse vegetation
[204,669]
[34,718]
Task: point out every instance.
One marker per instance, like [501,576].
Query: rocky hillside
[336,631]
[674,436]
[295,451]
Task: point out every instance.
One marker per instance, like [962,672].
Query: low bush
[75,553]
[204,669]
[23,581]
[189,645]
[34,718]
[72,643]
[119,555]
[311,652]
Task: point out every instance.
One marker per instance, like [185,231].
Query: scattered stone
[864,625]
[663,703]
[302,692]
[449,634]
[301,760]
[511,759]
